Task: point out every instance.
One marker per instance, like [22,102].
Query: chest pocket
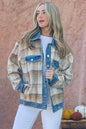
[33,58]
[34,62]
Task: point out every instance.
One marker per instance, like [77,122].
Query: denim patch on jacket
[32,58]
[55,64]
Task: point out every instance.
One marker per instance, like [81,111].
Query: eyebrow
[39,11]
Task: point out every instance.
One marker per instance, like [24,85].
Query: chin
[41,26]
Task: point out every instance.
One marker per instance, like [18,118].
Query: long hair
[55,26]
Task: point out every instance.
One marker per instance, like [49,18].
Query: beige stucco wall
[16,18]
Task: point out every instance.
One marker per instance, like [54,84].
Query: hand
[27,85]
[49,74]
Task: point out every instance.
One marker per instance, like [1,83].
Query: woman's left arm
[63,75]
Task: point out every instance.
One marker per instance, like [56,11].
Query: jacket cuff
[20,87]
[55,78]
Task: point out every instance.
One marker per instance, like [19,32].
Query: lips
[41,21]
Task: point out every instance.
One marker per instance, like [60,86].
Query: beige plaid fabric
[19,70]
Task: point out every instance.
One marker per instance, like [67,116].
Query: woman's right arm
[14,70]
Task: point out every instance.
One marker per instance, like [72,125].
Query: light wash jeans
[26,117]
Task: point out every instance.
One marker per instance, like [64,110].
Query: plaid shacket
[25,66]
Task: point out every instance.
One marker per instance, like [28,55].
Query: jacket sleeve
[62,75]
[14,70]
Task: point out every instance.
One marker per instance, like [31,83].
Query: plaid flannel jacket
[25,66]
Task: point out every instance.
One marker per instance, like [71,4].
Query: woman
[39,68]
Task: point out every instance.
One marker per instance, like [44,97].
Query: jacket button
[47,55]
[47,65]
[31,59]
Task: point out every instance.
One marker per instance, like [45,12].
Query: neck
[46,33]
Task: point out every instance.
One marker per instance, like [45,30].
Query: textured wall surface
[15,18]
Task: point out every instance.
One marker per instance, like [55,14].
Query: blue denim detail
[58,106]
[33,104]
[48,56]
[32,58]
[20,86]
[55,78]
[55,64]
[41,106]
[44,88]
[36,36]
[54,44]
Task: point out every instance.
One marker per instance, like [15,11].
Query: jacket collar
[37,36]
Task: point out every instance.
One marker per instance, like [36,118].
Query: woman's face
[42,17]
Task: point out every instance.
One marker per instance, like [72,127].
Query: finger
[49,73]
[48,76]
[27,85]
[50,70]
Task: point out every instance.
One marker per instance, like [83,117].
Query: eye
[44,12]
[37,14]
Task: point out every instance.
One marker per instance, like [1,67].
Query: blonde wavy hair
[55,26]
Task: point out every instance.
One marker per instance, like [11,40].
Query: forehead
[41,8]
